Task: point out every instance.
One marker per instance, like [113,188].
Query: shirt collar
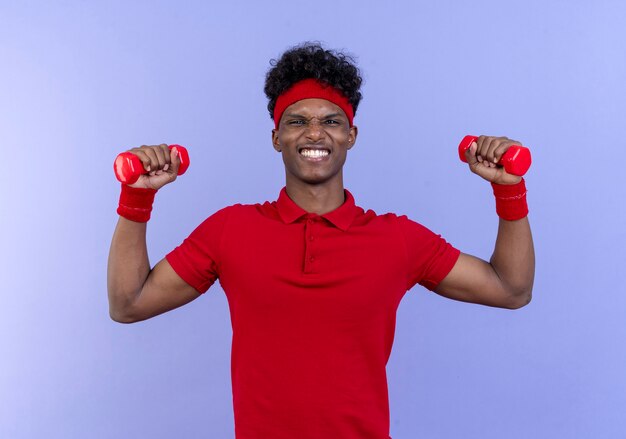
[341,217]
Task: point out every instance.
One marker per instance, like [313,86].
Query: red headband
[311,88]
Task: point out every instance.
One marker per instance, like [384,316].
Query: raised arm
[135,291]
[505,281]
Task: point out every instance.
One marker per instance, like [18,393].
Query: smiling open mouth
[314,153]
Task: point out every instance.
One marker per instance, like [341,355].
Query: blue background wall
[82,81]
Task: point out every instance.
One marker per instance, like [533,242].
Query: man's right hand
[160,163]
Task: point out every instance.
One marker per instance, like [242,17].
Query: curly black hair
[311,60]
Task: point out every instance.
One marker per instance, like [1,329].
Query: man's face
[314,136]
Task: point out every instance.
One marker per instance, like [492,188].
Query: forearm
[513,258]
[507,280]
[128,266]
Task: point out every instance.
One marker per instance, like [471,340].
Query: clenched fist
[160,163]
[483,157]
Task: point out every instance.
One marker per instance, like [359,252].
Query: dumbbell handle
[128,167]
[516,160]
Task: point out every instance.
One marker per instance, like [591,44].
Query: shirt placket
[311,236]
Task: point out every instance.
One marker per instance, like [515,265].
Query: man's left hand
[484,155]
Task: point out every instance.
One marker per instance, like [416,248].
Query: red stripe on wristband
[511,200]
[136,203]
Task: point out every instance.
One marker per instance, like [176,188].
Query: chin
[314,177]
[314,181]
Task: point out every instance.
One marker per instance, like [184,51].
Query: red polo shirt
[313,304]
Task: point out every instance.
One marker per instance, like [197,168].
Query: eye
[331,122]
[296,122]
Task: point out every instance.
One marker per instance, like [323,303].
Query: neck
[319,199]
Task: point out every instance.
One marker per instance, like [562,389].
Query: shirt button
[310,221]
[312,259]
[310,238]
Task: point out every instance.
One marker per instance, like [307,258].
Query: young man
[313,281]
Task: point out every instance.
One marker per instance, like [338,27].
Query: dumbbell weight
[128,167]
[516,160]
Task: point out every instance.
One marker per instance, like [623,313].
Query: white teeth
[314,152]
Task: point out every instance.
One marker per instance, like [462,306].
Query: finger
[496,145]
[160,155]
[483,147]
[163,155]
[493,144]
[143,157]
[166,156]
[174,160]
[502,148]
[153,161]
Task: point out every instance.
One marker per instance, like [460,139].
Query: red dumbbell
[128,167]
[516,160]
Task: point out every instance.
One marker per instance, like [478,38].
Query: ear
[275,141]
[354,131]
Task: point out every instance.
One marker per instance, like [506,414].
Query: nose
[314,130]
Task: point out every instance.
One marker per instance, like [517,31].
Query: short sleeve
[430,257]
[197,259]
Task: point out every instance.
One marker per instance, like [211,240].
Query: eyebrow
[300,116]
